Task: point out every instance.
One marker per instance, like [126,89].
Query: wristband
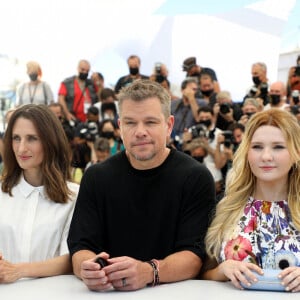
[155,266]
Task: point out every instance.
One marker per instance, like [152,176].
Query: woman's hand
[291,279]
[8,272]
[239,271]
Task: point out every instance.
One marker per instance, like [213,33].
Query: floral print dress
[265,235]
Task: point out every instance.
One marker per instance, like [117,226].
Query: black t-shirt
[143,214]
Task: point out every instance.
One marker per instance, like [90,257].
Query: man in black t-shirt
[146,210]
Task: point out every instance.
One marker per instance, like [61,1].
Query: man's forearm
[179,266]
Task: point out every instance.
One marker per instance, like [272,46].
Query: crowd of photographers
[209,124]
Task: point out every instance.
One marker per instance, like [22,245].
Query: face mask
[199,158]
[250,114]
[275,99]
[195,74]
[133,71]
[206,123]
[33,76]
[207,93]
[83,76]
[108,134]
[256,80]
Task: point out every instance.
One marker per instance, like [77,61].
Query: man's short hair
[93,110]
[188,80]
[223,95]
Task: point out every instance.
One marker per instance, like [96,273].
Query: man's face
[224,100]
[257,71]
[206,84]
[238,135]
[133,63]
[204,116]
[57,111]
[249,108]
[190,87]
[84,68]
[144,131]
[276,89]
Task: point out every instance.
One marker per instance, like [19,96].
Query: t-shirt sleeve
[62,89]
[86,229]
[199,203]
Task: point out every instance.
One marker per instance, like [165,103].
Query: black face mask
[274,99]
[206,123]
[133,71]
[33,76]
[207,93]
[83,76]
[250,114]
[199,158]
[195,74]
[256,80]
[108,134]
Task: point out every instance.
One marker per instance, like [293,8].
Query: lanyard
[31,96]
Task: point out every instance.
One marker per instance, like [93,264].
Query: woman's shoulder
[74,188]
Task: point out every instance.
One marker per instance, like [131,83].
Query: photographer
[193,69]
[109,129]
[295,110]
[185,110]
[277,96]
[206,86]
[249,108]
[260,80]
[226,110]
[293,82]
[84,137]
[196,149]
[206,131]
[160,75]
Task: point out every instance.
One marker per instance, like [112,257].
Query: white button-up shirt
[32,227]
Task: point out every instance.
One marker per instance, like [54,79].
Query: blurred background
[227,36]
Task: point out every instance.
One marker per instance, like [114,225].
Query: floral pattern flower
[266,231]
[236,249]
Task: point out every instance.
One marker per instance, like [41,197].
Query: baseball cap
[188,63]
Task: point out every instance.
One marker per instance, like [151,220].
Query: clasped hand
[122,273]
[242,272]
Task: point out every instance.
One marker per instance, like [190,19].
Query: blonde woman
[35,90]
[257,223]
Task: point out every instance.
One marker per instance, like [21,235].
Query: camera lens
[225,108]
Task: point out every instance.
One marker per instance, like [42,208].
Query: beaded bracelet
[155,266]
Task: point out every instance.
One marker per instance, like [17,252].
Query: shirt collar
[26,189]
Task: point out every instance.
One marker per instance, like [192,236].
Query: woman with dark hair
[110,130]
[36,198]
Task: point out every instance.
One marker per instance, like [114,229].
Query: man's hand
[93,276]
[128,274]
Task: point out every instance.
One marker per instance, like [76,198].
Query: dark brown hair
[57,156]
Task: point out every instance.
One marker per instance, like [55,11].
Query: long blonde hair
[241,183]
